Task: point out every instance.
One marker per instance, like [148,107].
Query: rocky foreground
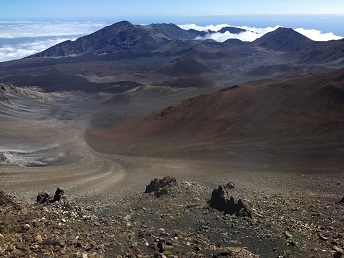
[172,219]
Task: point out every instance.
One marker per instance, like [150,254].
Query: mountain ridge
[124,52]
[283,39]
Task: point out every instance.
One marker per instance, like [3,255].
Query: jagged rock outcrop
[44,197]
[221,200]
[161,186]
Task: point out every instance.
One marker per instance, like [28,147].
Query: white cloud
[203,28]
[253,33]
[24,38]
[317,35]
[16,51]
[250,34]
[11,30]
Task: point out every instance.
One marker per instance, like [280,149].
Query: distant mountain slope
[184,66]
[323,52]
[123,55]
[118,37]
[172,31]
[283,39]
[121,36]
[304,106]
[305,50]
[124,36]
[233,30]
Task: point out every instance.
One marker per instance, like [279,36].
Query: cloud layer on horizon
[19,39]
[253,33]
[19,50]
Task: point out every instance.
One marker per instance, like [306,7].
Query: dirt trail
[81,172]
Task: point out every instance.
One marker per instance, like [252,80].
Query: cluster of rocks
[161,186]
[53,230]
[179,224]
[44,197]
[220,197]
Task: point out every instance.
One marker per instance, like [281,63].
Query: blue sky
[43,9]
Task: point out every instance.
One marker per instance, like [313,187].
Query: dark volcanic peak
[234,41]
[118,37]
[122,36]
[283,39]
[172,31]
[232,30]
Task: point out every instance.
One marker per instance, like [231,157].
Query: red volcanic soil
[300,116]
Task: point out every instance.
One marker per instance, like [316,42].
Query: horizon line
[173,16]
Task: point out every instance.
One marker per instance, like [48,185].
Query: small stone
[230,185]
[39,238]
[292,243]
[288,234]
[337,255]
[338,249]
[27,227]
[17,253]
[2,239]
[160,246]
[323,237]
[342,200]
[197,248]
[127,217]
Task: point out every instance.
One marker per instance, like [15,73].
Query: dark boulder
[229,185]
[222,201]
[44,197]
[341,201]
[58,194]
[161,186]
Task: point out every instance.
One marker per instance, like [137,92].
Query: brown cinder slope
[303,112]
